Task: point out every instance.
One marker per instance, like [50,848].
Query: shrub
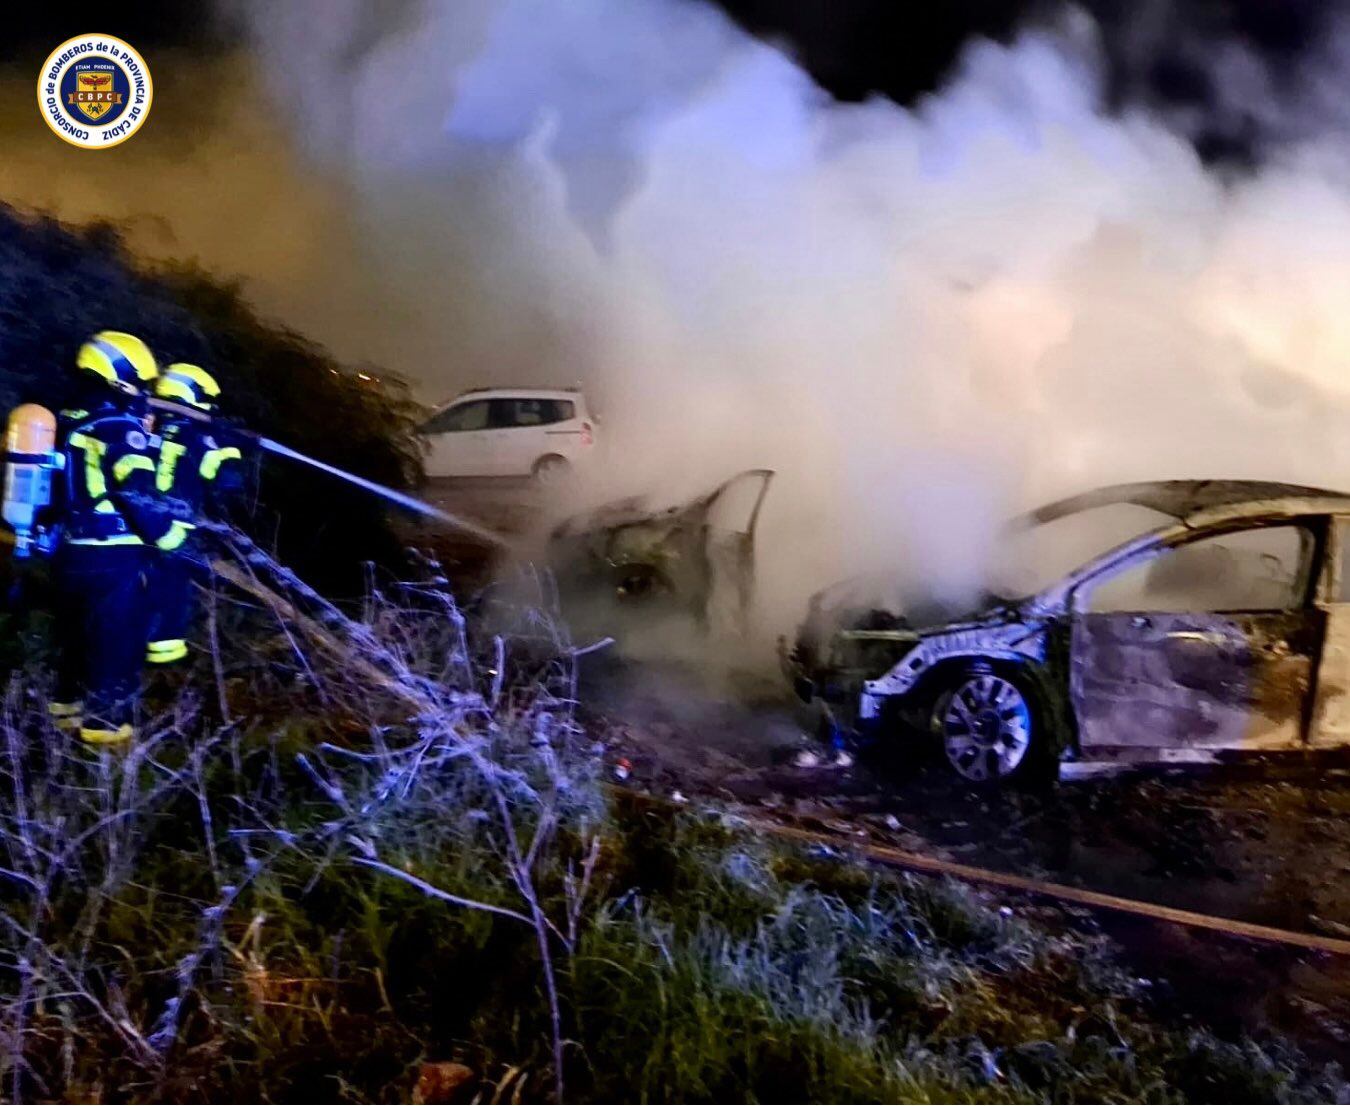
[59,284]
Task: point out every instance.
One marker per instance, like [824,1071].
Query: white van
[540,432]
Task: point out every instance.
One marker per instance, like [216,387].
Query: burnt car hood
[853,605]
[847,635]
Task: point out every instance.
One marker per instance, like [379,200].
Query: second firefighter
[196,471]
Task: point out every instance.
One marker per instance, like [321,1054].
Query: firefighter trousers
[102,620]
[169,593]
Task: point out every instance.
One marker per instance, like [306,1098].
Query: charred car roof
[1180,499]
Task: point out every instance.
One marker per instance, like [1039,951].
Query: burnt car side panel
[1177,680]
[1222,650]
[1000,639]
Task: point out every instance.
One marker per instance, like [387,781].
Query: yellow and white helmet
[190,384]
[121,360]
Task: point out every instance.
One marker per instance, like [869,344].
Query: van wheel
[551,469]
[989,728]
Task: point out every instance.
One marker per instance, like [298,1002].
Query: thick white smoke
[920,318]
[923,319]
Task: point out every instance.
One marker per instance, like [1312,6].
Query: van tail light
[587,438]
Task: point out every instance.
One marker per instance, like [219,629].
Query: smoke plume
[924,318]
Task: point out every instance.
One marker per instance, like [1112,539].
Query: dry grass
[351,842]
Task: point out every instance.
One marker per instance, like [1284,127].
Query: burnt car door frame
[1330,722]
[733,561]
[1202,681]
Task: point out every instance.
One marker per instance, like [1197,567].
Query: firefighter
[109,515]
[199,466]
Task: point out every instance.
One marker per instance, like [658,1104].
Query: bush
[59,284]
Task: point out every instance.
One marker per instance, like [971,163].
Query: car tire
[990,729]
[551,470]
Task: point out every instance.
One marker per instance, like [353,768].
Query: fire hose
[31,458]
[402,499]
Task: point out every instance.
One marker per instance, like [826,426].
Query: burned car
[695,559]
[1221,626]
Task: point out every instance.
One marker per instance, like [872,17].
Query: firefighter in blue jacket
[199,466]
[110,515]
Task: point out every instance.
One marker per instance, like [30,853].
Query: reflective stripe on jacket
[110,495]
[195,465]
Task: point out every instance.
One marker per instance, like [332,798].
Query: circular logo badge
[95,91]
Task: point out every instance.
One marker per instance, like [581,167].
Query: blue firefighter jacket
[198,465]
[108,485]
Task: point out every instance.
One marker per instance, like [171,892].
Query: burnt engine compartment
[695,559]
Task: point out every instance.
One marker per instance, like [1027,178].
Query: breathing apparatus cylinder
[30,439]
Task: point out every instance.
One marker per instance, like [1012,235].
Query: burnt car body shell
[674,558]
[1143,685]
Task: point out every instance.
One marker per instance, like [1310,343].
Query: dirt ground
[1263,842]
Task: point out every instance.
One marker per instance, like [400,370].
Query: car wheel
[988,727]
[551,470]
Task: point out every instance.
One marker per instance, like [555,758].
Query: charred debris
[695,559]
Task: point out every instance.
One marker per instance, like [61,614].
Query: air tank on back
[29,440]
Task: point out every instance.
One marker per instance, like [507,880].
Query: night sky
[32,31]
[1156,49]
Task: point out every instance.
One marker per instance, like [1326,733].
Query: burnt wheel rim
[986,728]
